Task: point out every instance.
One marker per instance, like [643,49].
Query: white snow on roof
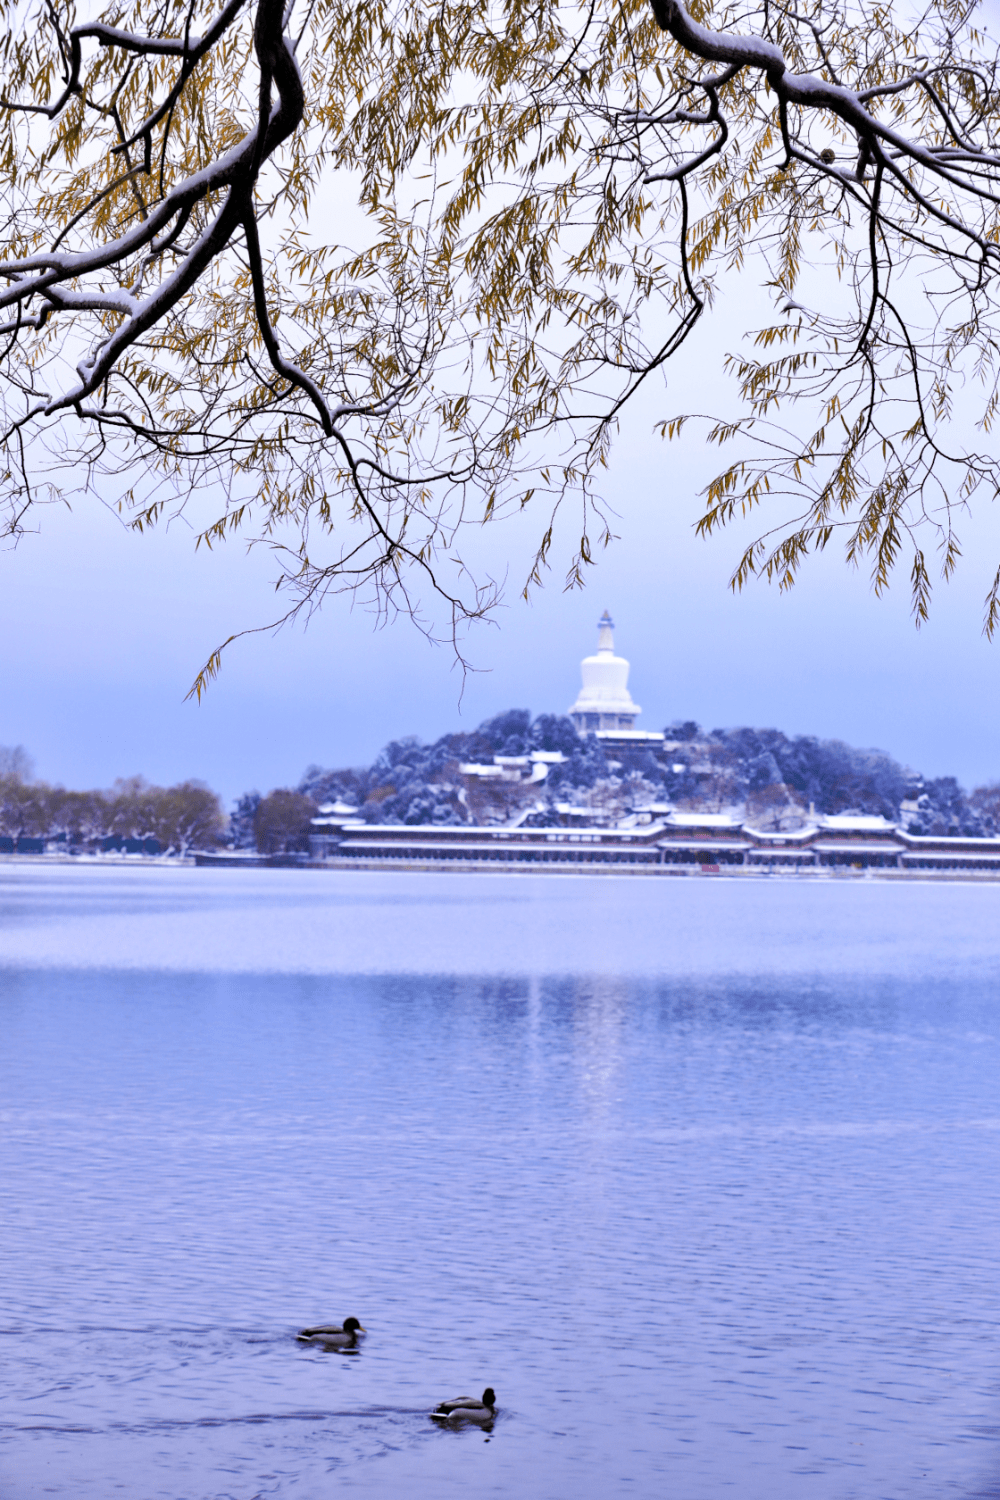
[702,820]
[860,822]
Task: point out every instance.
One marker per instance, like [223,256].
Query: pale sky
[106,630]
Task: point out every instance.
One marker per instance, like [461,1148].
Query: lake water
[701,1175]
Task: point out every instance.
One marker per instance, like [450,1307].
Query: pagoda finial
[605,638]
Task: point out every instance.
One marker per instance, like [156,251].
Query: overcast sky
[105,631]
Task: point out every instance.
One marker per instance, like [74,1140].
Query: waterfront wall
[681,844]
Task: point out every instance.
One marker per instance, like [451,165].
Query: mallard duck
[468,1408]
[332,1335]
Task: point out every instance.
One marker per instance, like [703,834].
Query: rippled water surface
[700,1175]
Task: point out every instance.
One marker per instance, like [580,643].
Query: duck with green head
[468,1408]
[333,1335]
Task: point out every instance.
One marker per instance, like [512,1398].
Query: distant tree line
[132,812]
[759,773]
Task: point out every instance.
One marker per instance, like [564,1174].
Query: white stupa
[604,702]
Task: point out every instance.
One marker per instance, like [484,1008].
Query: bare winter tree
[16,763]
[544,198]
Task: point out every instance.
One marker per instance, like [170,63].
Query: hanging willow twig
[549,197]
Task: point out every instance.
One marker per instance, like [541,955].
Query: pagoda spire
[604,704]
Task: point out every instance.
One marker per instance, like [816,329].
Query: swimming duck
[332,1335]
[468,1408]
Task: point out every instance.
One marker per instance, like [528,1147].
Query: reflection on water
[703,1235]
